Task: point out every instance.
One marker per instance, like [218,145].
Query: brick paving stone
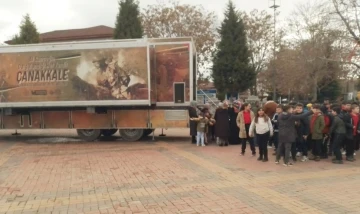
[169,175]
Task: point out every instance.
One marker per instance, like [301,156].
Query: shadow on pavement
[33,139]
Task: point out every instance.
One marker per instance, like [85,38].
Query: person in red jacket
[355,118]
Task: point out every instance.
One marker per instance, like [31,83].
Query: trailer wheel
[108,132]
[131,134]
[89,134]
[147,132]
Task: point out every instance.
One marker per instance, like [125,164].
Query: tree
[183,20]
[331,91]
[348,11]
[312,56]
[232,72]
[28,32]
[260,38]
[128,24]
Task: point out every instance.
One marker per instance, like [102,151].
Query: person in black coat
[193,124]
[234,129]
[222,125]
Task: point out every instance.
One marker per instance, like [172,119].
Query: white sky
[50,15]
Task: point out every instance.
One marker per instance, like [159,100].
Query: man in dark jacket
[348,141]
[287,132]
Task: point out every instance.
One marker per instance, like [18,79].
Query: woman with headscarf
[234,129]
[222,127]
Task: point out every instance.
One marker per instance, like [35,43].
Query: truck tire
[108,132]
[131,134]
[89,134]
[147,132]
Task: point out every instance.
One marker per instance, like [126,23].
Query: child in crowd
[348,142]
[243,121]
[203,121]
[276,127]
[337,131]
[287,132]
[327,120]
[262,125]
[355,118]
[317,125]
[302,130]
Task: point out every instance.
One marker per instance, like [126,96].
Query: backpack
[327,124]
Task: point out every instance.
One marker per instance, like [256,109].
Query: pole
[274,7]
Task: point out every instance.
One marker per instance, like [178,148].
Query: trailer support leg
[162,133]
[16,133]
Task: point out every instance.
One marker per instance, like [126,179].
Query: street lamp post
[274,6]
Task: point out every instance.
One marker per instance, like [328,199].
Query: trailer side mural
[98,87]
[118,75]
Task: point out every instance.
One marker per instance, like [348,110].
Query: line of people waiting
[293,130]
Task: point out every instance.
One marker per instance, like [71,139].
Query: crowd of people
[293,130]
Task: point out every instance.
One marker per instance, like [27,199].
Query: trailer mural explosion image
[106,74]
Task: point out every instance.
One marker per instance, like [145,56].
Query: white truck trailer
[98,87]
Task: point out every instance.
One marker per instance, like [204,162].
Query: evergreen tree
[28,32]
[331,91]
[128,24]
[231,70]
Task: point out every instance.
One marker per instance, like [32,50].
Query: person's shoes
[197,145]
[343,153]
[277,162]
[203,145]
[253,154]
[226,144]
[290,164]
[304,159]
[312,158]
[269,147]
[298,154]
[274,153]
[337,161]
[294,159]
[221,145]
[350,159]
[260,159]
[287,164]
[242,153]
[324,157]
[317,158]
[265,160]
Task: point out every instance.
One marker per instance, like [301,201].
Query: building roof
[97,32]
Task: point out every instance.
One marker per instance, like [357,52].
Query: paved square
[169,175]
